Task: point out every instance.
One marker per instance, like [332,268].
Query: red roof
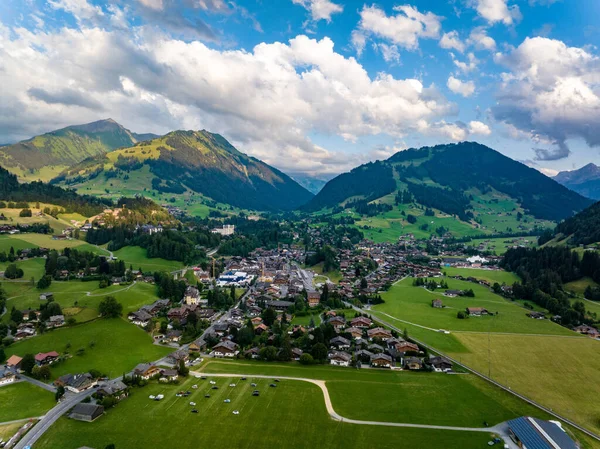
[44,355]
[13,360]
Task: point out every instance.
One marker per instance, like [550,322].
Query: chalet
[355,332]
[437,303]
[7,378]
[114,388]
[168,375]
[279,306]
[361,322]
[339,359]
[225,349]
[339,343]
[46,296]
[179,313]
[14,362]
[536,315]
[178,356]
[363,356]
[146,370]
[381,361]
[252,353]
[453,293]
[476,311]
[254,311]
[440,364]
[75,382]
[86,412]
[413,363]
[157,306]
[46,358]
[261,328]
[24,331]
[197,345]
[55,321]
[375,348]
[220,328]
[406,346]
[140,318]
[174,336]
[314,298]
[380,333]
[338,322]
[296,353]
[256,320]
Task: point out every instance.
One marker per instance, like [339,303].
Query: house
[192,297]
[375,348]
[225,349]
[256,321]
[339,343]
[176,357]
[261,328]
[168,375]
[338,322]
[14,362]
[361,322]
[453,293]
[55,321]
[75,382]
[529,432]
[146,370]
[7,378]
[114,388]
[313,298]
[413,363]
[363,356]
[140,318]
[536,315]
[339,359]
[46,358]
[86,412]
[24,331]
[296,353]
[406,346]
[197,345]
[253,353]
[46,296]
[440,364]
[437,303]
[355,332]
[174,336]
[381,361]
[476,311]
[587,330]
[220,328]
[380,333]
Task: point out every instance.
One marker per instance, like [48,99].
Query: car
[256,393]
[253,385]
[194,386]
[272,385]
[243,378]
[212,382]
[227,401]
[214,387]
[197,376]
[232,385]
[152,397]
[192,403]
[207,395]
[236,412]
[276,380]
[194,410]
[203,377]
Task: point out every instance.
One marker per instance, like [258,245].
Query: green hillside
[188,163]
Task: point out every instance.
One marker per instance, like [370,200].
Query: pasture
[293,415]
[23,400]
[499,276]
[111,346]
[501,244]
[137,257]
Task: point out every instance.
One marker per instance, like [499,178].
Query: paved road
[51,417]
[33,381]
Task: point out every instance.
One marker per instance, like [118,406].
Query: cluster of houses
[28,327]
[590,331]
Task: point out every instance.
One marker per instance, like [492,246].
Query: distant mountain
[451,178]
[49,153]
[189,161]
[583,228]
[313,184]
[585,181]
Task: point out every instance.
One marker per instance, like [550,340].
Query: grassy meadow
[136,256]
[500,276]
[23,400]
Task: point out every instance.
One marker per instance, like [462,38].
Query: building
[476,311]
[314,298]
[380,333]
[46,358]
[14,362]
[225,349]
[7,378]
[225,230]
[340,359]
[139,318]
[55,321]
[361,322]
[413,363]
[440,364]
[533,433]
[381,361]
[86,412]
[437,303]
[46,296]
[192,297]
[75,382]
[146,370]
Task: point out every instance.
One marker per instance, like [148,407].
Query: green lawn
[580,285]
[32,268]
[8,430]
[117,347]
[500,276]
[413,304]
[136,256]
[24,400]
[501,244]
[22,241]
[293,415]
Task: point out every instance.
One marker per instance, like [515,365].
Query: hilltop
[585,181]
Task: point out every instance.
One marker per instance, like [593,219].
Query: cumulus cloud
[80,9]
[550,91]
[390,53]
[495,11]
[404,28]
[468,66]
[477,127]
[266,101]
[451,40]
[464,88]
[480,39]
[320,9]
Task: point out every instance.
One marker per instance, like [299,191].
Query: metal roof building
[533,433]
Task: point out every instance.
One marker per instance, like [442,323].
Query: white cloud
[451,40]
[550,172]
[266,101]
[464,88]
[320,9]
[497,11]
[80,9]
[156,5]
[551,91]
[480,39]
[468,66]
[477,127]
[390,53]
[403,29]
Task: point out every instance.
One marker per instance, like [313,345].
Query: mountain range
[585,180]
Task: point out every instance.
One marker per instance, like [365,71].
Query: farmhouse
[529,432]
[75,383]
[46,358]
[476,311]
[139,318]
[146,370]
[380,333]
[361,322]
[440,364]
[381,361]
[86,412]
[225,349]
[114,388]
[453,293]
[339,359]
[437,303]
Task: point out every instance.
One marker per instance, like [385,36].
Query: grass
[579,286]
[501,244]
[305,320]
[293,415]
[22,241]
[13,218]
[110,346]
[136,256]
[8,430]
[413,304]
[24,400]
[32,268]
[334,276]
[500,276]
[560,373]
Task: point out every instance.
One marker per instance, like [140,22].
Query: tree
[319,352]
[60,391]
[306,359]
[110,307]
[497,288]
[269,316]
[16,315]
[44,372]
[44,282]
[110,446]
[25,213]
[13,272]
[182,369]
[461,315]
[2,355]
[28,363]
[363,284]
[286,350]
[268,353]
[325,294]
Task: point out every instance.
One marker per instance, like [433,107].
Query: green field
[13,218]
[500,276]
[413,304]
[8,430]
[500,245]
[560,373]
[22,241]
[117,347]
[136,256]
[293,415]
[32,268]
[24,400]
[578,287]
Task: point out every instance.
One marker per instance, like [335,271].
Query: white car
[227,401]
[212,382]
[194,386]
[152,397]
[192,403]
[236,412]
[232,385]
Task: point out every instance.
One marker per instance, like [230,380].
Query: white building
[225,230]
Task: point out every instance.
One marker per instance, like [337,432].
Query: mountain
[189,161]
[45,155]
[453,179]
[583,228]
[585,181]
[313,184]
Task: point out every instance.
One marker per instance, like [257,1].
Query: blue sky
[313,86]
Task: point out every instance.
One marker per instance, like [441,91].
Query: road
[37,383]
[51,417]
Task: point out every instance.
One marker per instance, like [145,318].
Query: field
[57,224]
[334,276]
[110,346]
[413,304]
[501,245]
[579,286]
[24,400]
[268,421]
[136,256]
[502,277]
[32,268]
[21,241]
[561,373]
[8,430]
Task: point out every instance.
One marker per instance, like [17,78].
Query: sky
[313,87]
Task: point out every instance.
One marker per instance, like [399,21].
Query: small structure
[339,359]
[86,412]
[14,362]
[46,296]
[476,311]
[529,432]
[225,348]
[437,303]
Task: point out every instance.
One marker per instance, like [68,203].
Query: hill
[583,228]
[452,179]
[188,162]
[44,156]
[585,181]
